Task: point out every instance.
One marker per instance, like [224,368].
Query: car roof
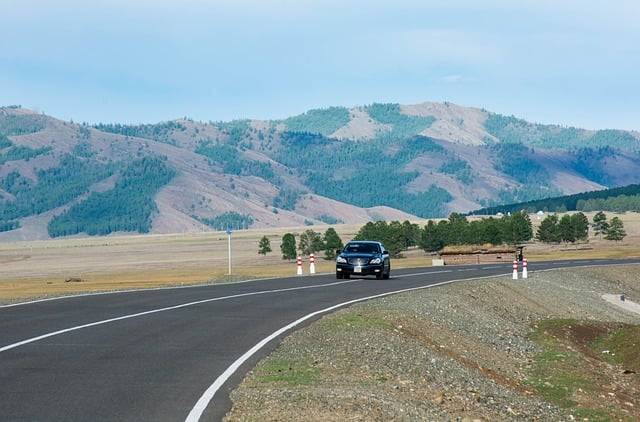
[365,241]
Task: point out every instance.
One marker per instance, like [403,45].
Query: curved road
[173,354]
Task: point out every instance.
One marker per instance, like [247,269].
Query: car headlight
[341,260]
[375,261]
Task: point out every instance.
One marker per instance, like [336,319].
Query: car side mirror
[338,252]
[385,252]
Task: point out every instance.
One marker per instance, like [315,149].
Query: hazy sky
[570,62]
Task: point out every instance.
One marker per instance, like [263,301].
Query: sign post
[229,244]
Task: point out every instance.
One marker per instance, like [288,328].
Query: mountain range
[332,165]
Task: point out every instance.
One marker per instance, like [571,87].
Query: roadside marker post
[524,268]
[229,248]
[515,270]
[312,264]
[299,263]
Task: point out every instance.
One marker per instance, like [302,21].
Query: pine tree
[264,246]
[548,232]
[565,229]
[332,242]
[600,224]
[288,246]
[580,224]
[310,242]
[517,228]
[395,240]
[431,239]
[616,230]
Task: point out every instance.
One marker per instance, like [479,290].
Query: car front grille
[358,261]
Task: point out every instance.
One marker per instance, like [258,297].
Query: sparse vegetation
[12,125]
[402,125]
[329,219]
[286,199]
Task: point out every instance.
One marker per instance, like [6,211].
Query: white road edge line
[202,403]
[155,311]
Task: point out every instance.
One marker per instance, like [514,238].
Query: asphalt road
[151,355]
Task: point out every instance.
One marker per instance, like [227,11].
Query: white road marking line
[494,267]
[154,311]
[190,286]
[466,269]
[202,403]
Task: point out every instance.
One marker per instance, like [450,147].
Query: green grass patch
[622,346]
[292,372]
[564,372]
[355,321]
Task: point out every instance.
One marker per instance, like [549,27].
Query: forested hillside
[626,198]
[337,164]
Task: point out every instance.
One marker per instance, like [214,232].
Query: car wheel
[339,275]
[387,275]
[346,275]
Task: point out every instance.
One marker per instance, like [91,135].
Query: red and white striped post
[312,264]
[515,270]
[524,268]
[299,263]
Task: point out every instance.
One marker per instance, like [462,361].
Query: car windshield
[362,248]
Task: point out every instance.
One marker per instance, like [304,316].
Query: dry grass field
[40,268]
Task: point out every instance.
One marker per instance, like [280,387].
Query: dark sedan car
[363,258]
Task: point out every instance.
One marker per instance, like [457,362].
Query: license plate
[357,269]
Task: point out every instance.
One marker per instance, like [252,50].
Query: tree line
[456,230]
[309,242]
[563,203]
[573,228]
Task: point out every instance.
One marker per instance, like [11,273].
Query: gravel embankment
[456,352]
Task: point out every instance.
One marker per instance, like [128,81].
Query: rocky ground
[550,348]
